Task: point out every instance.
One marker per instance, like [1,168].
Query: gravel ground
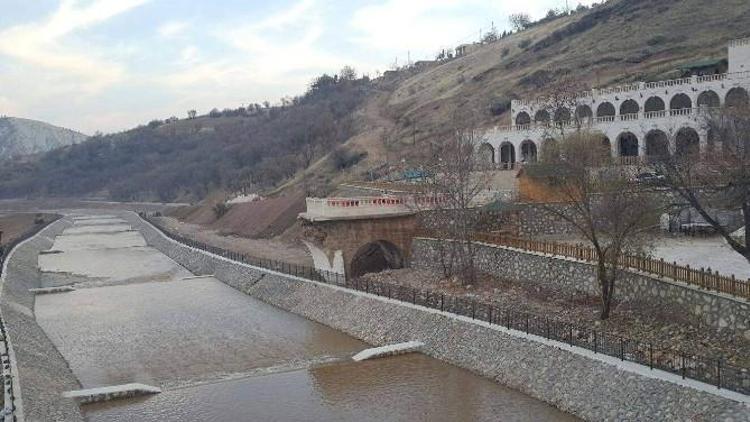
[260,248]
[664,327]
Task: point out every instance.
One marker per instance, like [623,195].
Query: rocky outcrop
[23,137]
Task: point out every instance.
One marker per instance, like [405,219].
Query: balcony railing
[638,86]
[587,122]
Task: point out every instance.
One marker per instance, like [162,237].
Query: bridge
[357,235]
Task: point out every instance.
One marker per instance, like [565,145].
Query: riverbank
[591,387]
[42,372]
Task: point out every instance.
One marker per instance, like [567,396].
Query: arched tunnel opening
[375,257]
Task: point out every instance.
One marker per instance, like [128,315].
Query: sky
[109,65]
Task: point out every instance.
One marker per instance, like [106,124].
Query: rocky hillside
[348,130]
[25,137]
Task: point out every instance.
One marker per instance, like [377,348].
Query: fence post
[473,308]
[718,373]
[734,285]
[442,300]
[622,349]
[489,311]
[595,341]
[682,355]
[650,356]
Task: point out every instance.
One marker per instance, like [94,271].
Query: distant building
[638,121]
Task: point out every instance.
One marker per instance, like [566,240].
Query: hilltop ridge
[344,130]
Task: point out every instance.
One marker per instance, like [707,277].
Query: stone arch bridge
[354,236]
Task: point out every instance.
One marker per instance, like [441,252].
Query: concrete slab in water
[50,290]
[115,264]
[79,229]
[92,395]
[127,239]
[389,350]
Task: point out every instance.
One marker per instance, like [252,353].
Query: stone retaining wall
[716,310]
[593,389]
[44,374]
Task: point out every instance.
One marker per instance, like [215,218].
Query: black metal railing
[9,393]
[715,370]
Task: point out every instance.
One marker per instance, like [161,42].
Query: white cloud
[417,25]
[42,44]
[172,29]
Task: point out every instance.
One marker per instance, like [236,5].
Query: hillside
[25,137]
[351,129]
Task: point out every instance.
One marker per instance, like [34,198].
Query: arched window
[709,99]
[629,107]
[687,142]
[605,110]
[657,144]
[654,104]
[507,154]
[606,147]
[486,153]
[523,118]
[680,102]
[737,97]
[562,115]
[541,116]
[628,144]
[584,113]
[528,151]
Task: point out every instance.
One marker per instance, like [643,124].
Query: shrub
[499,106]
[221,209]
[524,43]
[342,158]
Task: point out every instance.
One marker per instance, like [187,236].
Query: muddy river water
[220,355]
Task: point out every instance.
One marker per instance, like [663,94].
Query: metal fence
[704,278]
[9,385]
[711,370]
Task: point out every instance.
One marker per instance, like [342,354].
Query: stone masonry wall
[44,374]
[717,310]
[588,388]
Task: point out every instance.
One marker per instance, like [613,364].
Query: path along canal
[136,316]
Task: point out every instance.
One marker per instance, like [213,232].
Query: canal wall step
[51,290]
[92,395]
[389,350]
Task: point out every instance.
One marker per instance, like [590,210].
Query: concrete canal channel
[137,316]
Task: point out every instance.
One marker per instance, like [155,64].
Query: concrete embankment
[42,372]
[593,387]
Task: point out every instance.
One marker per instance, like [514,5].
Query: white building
[637,121]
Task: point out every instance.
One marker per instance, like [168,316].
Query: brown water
[221,355]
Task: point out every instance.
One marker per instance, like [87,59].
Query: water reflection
[405,388]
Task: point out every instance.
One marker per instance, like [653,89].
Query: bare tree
[720,180]
[520,21]
[347,73]
[456,178]
[601,203]
[191,114]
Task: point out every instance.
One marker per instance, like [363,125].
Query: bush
[499,106]
[221,209]
[342,158]
[524,43]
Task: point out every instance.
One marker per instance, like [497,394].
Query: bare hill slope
[25,137]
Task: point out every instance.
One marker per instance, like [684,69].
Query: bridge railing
[711,370]
[371,205]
